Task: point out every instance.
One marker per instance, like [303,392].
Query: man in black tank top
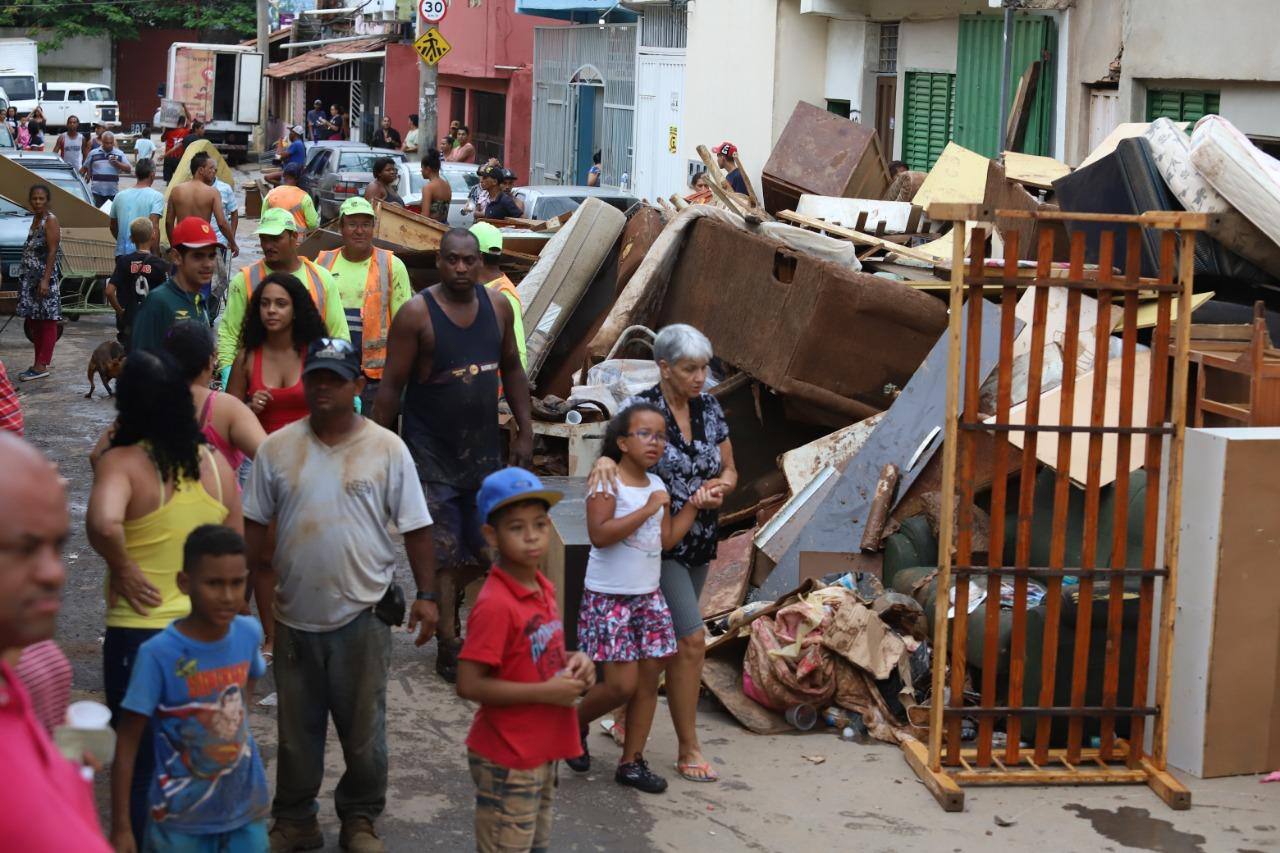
[445,351]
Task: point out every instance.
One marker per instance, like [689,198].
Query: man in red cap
[178,300]
[726,154]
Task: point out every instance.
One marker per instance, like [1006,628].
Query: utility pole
[428,132]
[260,141]
[1005,66]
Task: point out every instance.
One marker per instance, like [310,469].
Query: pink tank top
[233,456]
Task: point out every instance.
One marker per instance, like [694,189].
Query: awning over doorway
[326,56]
[579,10]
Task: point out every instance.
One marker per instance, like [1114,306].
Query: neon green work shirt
[351,276]
[229,330]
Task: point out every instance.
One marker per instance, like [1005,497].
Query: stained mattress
[1245,176]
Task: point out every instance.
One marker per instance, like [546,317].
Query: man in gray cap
[316,120]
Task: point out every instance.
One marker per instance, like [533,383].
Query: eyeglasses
[649,436]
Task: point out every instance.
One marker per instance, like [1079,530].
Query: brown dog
[107,361]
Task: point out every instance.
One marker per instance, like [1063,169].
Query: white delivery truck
[218,84]
[20,73]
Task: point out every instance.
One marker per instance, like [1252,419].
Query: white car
[461,177]
[92,103]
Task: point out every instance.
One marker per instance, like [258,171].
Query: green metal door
[929,105]
[979,56]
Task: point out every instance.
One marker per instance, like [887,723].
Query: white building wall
[801,63]
[923,46]
[846,64]
[729,78]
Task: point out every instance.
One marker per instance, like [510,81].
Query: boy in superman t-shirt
[194,682]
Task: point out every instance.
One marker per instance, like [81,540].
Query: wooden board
[1032,170]
[72,211]
[723,677]
[856,237]
[727,576]
[958,177]
[1020,113]
[401,227]
[845,211]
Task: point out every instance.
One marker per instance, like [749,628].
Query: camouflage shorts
[513,807]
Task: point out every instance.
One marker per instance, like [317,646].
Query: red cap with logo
[194,233]
[726,149]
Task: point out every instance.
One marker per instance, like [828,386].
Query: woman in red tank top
[281,321]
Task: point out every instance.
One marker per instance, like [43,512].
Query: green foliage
[124,18]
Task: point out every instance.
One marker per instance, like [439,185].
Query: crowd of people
[270,432]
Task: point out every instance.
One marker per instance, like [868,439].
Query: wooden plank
[1020,113]
[746,179]
[1061,494]
[1092,496]
[999,492]
[941,785]
[856,237]
[1173,514]
[1166,787]
[1032,170]
[71,210]
[1052,777]
[396,225]
[959,176]
[946,533]
[855,212]
[1026,501]
[718,181]
[1163,219]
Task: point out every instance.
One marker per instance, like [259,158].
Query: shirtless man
[462,151]
[445,351]
[198,198]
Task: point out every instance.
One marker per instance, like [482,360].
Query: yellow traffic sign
[432,47]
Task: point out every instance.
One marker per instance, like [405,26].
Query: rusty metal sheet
[727,576]
[322,57]
[806,328]
[836,449]
[823,154]
[638,236]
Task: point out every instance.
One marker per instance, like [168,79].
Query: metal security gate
[1082,684]
[660,90]
[560,53]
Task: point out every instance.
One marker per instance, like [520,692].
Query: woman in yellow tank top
[156,484]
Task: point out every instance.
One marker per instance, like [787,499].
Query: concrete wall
[84,59]
[923,46]
[729,78]
[800,62]
[1232,40]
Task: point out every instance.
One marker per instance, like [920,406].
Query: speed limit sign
[432,11]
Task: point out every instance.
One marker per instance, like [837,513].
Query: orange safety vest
[253,276]
[375,313]
[290,198]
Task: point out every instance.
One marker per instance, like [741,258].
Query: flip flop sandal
[615,730]
[704,769]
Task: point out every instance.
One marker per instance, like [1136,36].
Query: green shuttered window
[1180,106]
[929,104]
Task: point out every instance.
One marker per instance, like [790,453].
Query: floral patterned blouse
[685,466]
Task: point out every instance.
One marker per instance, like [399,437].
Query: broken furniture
[566,562]
[1226,652]
[823,154]
[1237,374]
[944,765]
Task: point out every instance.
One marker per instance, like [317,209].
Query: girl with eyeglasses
[624,622]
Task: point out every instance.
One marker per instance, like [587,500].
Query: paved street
[771,799]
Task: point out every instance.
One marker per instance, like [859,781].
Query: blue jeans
[250,838]
[342,674]
[119,651]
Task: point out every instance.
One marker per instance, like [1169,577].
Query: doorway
[886,102]
[587,87]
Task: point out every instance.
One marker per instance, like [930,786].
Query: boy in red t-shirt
[514,664]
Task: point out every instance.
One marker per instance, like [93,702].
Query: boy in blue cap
[515,665]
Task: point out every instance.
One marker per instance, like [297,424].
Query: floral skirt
[625,627]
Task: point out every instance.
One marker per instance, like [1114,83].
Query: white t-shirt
[634,565]
[334,557]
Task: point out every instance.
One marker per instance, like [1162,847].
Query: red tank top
[287,404]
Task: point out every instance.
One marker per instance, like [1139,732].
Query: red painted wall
[400,89]
[519,115]
[141,64]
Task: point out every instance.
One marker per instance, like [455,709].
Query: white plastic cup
[88,715]
[573,418]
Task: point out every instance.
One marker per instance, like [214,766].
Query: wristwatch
[425,596]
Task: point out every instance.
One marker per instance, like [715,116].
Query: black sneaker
[582,763]
[636,774]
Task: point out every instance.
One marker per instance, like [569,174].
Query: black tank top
[451,419]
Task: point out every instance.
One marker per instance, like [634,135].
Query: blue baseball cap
[512,485]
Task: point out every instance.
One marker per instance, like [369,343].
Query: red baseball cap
[727,149]
[194,233]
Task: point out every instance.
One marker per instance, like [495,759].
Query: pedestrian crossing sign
[432,47]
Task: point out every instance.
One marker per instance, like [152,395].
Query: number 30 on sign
[433,11]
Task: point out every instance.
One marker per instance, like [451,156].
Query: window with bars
[1179,105]
[888,60]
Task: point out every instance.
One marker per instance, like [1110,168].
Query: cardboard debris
[959,176]
[1033,170]
[1050,412]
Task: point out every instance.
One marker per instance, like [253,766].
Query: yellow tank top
[154,541]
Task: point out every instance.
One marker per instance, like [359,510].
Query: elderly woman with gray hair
[697,459]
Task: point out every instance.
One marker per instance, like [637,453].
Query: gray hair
[681,342]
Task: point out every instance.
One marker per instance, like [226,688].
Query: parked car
[547,201]
[15,220]
[461,177]
[336,171]
[90,102]
[7,142]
